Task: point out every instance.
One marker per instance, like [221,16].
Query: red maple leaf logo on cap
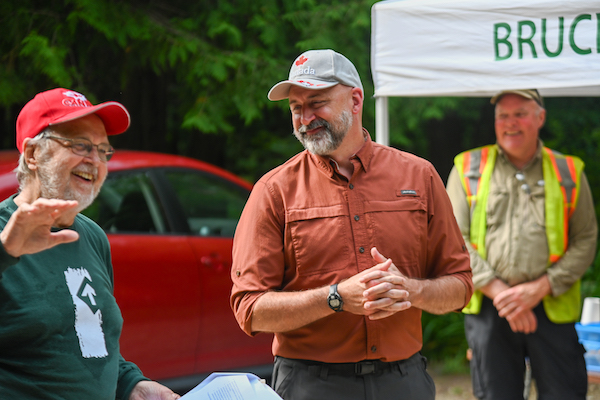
[301,60]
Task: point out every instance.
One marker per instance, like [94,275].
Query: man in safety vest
[527,216]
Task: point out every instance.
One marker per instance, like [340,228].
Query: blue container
[589,337]
[588,331]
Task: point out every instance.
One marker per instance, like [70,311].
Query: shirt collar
[536,156]
[364,156]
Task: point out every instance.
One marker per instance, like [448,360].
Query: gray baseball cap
[317,69]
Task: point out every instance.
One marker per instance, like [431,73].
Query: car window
[128,203]
[212,205]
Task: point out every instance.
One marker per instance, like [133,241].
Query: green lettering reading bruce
[526,32]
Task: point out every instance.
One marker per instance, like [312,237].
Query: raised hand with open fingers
[29,229]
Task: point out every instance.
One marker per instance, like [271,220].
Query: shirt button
[373,349]
[361,249]
[356,217]
[237,273]
[351,186]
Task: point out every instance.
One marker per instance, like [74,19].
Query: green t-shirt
[59,321]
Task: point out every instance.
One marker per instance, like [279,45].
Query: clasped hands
[377,292]
[516,303]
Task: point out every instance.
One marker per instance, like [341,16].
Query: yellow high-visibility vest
[561,190]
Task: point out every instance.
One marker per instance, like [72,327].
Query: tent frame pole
[382,123]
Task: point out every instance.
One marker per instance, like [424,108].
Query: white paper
[231,386]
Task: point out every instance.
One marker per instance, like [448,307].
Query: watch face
[334,300]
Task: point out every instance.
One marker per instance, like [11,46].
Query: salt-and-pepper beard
[329,138]
[51,174]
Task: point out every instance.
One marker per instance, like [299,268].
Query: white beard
[55,182]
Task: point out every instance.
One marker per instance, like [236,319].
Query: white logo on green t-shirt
[88,317]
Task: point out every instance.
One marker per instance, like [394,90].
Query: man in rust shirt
[340,249]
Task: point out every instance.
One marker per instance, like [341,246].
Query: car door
[212,207]
[157,281]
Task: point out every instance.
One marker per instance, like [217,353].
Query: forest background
[194,76]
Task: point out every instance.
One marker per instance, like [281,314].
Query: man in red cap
[60,324]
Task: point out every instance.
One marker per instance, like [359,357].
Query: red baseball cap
[60,105]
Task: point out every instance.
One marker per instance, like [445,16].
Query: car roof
[133,159]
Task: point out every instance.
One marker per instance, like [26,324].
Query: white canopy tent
[477,48]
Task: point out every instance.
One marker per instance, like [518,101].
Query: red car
[170,222]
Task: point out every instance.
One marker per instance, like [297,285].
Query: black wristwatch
[334,300]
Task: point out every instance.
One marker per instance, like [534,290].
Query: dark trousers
[307,380]
[498,362]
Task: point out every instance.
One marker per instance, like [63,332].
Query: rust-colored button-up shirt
[306,226]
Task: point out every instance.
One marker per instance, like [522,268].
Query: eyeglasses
[83,147]
[521,178]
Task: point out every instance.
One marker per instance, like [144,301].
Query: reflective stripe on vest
[568,177]
[561,176]
[475,169]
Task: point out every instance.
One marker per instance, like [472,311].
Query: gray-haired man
[59,322]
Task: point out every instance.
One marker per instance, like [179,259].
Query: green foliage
[47,59]
[444,341]
[213,61]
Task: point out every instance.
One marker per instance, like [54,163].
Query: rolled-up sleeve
[447,252]
[258,257]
